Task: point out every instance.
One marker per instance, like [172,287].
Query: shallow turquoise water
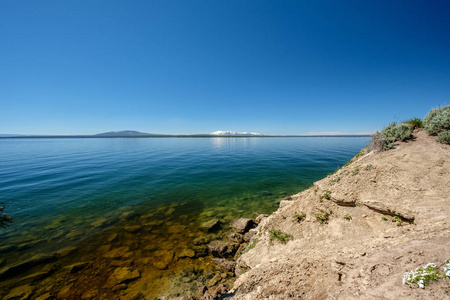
[61,192]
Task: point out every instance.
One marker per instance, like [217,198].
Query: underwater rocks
[20,292]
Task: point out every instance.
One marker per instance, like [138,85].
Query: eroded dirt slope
[361,251]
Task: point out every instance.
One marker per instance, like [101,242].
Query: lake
[85,210]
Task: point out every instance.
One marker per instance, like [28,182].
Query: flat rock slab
[122,275]
[242,225]
[388,210]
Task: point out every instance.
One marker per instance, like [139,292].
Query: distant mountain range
[133,133]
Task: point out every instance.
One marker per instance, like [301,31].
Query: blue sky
[184,67]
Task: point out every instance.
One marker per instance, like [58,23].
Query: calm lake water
[79,200]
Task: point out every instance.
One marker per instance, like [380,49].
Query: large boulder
[242,225]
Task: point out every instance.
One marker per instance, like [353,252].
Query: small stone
[132,228]
[64,293]
[211,225]
[119,287]
[112,238]
[45,296]
[170,211]
[163,259]
[187,253]
[100,223]
[116,253]
[20,292]
[75,268]
[129,215]
[237,237]
[201,240]
[66,251]
[242,225]
[224,264]
[213,281]
[122,275]
[176,229]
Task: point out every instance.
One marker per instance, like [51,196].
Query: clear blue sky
[182,67]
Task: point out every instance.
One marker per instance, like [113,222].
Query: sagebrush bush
[385,139]
[437,120]
[444,137]
[415,123]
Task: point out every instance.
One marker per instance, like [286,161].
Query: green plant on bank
[368,167]
[326,195]
[355,170]
[384,140]
[398,220]
[437,120]
[280,236]
[422,276]
[444,137]
[323,217]
[414,123]
[4,218]
[299,217]
[348,217]
[384,218]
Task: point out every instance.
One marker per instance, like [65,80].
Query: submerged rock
[20,292]
[202,240]
[211,225]
[75,268]
[242,225]
[163,259]
[187,253]
[116,253]
[66,251]
[122,275]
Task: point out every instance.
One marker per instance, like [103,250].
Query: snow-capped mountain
[235,133]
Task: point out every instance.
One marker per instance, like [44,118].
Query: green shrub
[299,217]
[280,236]
[444,137]
[415,123]
[437,120]
[385,139]
[348,217]
[323,217]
